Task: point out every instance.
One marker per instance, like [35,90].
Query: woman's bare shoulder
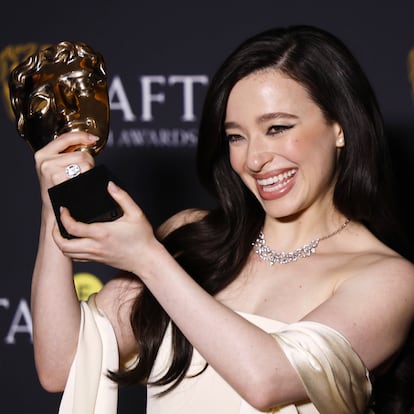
[373,307]
[116,300]
[367,259]
[180,219]
[120,290]
[382,268]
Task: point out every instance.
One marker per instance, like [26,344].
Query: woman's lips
[275,186]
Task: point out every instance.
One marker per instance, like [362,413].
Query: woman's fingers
[125,201]
[131,212]
[83,245]
[67,140]
[73,227]
[55,166]
[115,243]
[57,170]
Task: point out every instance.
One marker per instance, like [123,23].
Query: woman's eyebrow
[263,118]
[275,115]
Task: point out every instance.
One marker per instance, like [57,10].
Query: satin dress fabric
[88,389]
[334,376]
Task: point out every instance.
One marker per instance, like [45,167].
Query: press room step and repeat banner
[160,57]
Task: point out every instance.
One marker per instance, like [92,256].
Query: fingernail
[112,186]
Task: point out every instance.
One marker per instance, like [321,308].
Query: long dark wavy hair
[214,249]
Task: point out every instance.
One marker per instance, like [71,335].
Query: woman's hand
[52,160]
[122,243]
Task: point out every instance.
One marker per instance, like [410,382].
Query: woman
[210,312]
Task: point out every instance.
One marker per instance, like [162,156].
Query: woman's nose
[257,156]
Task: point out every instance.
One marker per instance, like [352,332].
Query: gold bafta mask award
[63,88]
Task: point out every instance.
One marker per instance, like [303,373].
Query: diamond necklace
[267,254]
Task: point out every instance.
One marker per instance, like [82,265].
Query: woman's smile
[276,185]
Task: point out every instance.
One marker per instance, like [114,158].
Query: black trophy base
[86,197]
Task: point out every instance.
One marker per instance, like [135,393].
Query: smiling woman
[277,136]
[292,147]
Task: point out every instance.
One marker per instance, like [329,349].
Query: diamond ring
[72,170]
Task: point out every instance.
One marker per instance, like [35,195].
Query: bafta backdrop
[159,59]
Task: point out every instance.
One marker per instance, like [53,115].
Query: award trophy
[60,89]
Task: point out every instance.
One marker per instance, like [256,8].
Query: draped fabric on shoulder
[88,389]
[333,374]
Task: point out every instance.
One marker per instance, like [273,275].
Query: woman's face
[280,144]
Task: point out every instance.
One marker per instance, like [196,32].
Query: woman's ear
[340,139]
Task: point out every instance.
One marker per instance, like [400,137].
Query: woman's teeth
[276,182]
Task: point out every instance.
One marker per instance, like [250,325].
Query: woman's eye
[234,138]
[278,129]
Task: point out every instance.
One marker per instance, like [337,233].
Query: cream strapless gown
[336,382]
